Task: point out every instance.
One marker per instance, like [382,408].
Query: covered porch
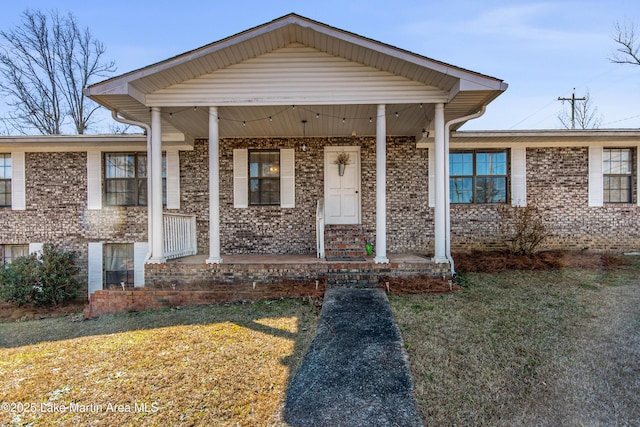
[310,91]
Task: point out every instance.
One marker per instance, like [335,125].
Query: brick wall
[557,178]
[118,301]
[557,182]
[56,210]
[272,230]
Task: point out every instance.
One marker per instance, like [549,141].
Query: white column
[154,202]
[381,186]
[214,188]
[439,222]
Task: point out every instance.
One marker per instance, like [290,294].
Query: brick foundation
[141,299]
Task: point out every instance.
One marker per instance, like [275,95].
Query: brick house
[237,175]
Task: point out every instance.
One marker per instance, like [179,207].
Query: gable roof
[294,38]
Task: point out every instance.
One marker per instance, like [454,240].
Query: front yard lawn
[547,347]
[216,365]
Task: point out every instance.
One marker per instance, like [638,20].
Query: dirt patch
[418,285]
[496,261]
[11,313]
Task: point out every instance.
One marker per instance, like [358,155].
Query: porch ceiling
[131,94]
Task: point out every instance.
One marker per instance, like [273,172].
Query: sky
[542,49]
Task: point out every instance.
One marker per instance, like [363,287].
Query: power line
[573,100]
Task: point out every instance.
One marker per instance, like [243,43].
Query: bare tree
[44,65]
[584,115]
[627,44]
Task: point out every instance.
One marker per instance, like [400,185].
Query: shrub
[44,279]
[522,228]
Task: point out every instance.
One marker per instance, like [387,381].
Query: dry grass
[544,347]
[217,365]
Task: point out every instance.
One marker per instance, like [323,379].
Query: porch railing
[320,228]
[179,235]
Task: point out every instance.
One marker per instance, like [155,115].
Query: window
[264,177]
[478,177]
[5,179]
[118,265]
[617,169]
[10,252]
[126,179]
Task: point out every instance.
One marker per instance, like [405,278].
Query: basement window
[8,253]
[118,265]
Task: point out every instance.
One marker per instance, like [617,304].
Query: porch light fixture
[425,133]
[304,135]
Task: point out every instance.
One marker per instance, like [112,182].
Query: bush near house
[42,279]
[522,228]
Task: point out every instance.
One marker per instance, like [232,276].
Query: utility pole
[573,100]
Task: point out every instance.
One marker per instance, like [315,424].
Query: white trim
[637,173]
[140,251]
[287,178]
[432,176]
[94,180]
[34,248]
[241,178]
[519,176]
[173,179]
[94,267]
[154,198]
[214,187]
[18,182]
[596,195]
[439,214]
[83,143]
[381,186]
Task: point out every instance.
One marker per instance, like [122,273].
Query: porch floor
[297,259]
[254,268]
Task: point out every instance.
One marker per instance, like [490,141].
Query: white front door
[342,193]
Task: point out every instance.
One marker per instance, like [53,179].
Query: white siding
[18,182]
[140,252]
[240,178]
[287,178]
[173,179]
[432,177]
[595,176]
[519,176]
[94,180]
[297,75]
[94,278]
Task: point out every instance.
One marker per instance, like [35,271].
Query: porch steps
[345,253]
[344,242]
[351,275]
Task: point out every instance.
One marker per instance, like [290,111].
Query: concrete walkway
[355,372]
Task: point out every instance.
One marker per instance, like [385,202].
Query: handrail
[180,238]
[320,228]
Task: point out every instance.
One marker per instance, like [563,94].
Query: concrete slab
[355,372]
